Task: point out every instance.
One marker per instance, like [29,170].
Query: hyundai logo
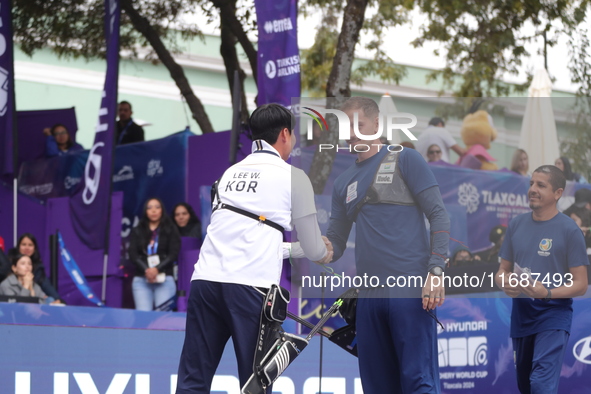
[582,350]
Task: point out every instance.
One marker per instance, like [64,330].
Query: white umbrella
[538,130]
[387,106]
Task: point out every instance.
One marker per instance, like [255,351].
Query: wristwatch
[548,296]
[437,271]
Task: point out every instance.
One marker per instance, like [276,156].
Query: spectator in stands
[27,245]
[154,247]
[462,257]
[407,144]
[22,281]
[434,153]
[59,142]
[186,221]
[436,133]
[520,163]
[127,130]
[564,164]
[496,236]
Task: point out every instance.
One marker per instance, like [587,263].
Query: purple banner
[7,108]
[91,201]
[278,74]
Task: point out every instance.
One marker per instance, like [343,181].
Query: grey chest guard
[388,186]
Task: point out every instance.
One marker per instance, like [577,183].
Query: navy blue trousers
[538,361]
[216,312]
[397,346]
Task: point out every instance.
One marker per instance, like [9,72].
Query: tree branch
[338,89]
[228,16]
[230,56]
[142,25]
[340,75]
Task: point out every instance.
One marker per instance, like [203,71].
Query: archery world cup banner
[278,57]
[91,201]
[480,200]
[6,89]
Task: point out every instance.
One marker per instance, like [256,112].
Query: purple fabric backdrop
[41,220]
[89,260]
[31,219]
[186,262]
[91,200]
[30,130]
[207,160]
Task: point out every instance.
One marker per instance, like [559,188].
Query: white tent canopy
[538,130]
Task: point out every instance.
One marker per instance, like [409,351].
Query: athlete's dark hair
[267,121]
[557,179]
[370,107]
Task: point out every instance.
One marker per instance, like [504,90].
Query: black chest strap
[259,218]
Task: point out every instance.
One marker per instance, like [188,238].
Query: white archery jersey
[239,249]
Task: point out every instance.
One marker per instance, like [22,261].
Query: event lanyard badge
[154,259]
[125,130]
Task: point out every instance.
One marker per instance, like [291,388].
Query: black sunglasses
[432,152]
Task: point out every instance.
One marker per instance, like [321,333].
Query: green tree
[75,28]
[481,41]
[485,40]
[153,36]
[328,65]
[578,147]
